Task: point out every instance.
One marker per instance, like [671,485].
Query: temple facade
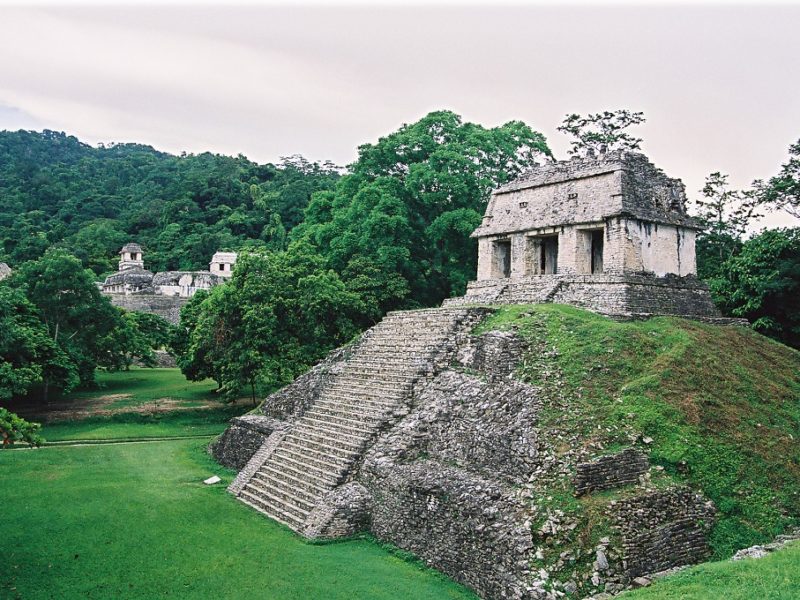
[610,234]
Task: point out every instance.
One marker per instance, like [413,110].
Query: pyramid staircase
[288,477]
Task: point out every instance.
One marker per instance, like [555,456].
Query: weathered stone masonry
[442,470]
[609,234]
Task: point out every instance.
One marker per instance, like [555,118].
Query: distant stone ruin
[5,271]
[135,288]
[609,234]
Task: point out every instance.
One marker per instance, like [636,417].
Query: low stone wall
[609,472]
[244,436]
[495,353]
[469,527]
[629,295]
[166,307]
[663,529]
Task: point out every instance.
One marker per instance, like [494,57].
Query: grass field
[147,386]
[133,520]
[205,422]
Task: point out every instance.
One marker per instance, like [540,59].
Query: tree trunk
[46,390]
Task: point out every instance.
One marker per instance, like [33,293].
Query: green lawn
[135,521]
[206,422]
[774,577]
[148,386]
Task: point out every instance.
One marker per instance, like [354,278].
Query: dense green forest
[324,252]
[58,192]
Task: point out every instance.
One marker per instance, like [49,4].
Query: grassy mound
[717,408]
[773,577]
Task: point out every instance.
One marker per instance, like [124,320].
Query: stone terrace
[291,474]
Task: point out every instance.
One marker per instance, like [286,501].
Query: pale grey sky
[720,85]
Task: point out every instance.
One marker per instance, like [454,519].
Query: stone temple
[135,288]
[420,432]
[609,234]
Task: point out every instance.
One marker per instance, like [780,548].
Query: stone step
[341,433]
[281,492]
[313,477]
[394,376]
[325,444]
[306,488]
[349,426]
[324,462]
[347,409]
[274,510]
[337,438]
[366,390]
[372,412]
[394,364]
[361,400]
[363,392]
[304,481]
[399,347]
[322,476]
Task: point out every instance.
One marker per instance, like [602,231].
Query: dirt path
[113,442]
[101,406]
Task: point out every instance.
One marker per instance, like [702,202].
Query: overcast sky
[720,85]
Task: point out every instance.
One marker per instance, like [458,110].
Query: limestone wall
[462,524]
[612,471]
[658,249]
[244,436]
[167,307]
[663,529]
[581,200]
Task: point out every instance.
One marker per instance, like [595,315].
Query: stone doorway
[597,251]
[542,255]
[501,265]
[548,255]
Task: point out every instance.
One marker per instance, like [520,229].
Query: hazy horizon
[718,84]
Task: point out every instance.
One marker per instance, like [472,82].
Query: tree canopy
[280,312]
[783,190]
[58,192]
[396,227]
[596,134]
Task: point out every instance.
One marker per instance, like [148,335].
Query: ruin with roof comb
[135,288]
[610,234]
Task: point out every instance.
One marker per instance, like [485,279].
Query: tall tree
[279,313]
[762,284]
[78,319]
[783,190]
[725,215]
[395,214]
[28,355]
[596,134]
